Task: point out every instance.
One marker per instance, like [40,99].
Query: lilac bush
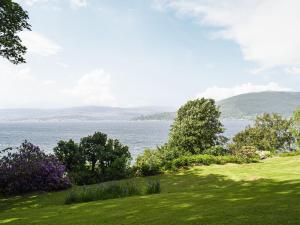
[28,169]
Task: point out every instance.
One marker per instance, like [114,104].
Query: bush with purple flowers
[28,169]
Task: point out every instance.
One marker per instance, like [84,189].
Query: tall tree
[13,19]
[197,126]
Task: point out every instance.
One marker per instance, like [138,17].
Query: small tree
[197,126]
[13,19]
[271,132]
[108,158]
[93,147]
[69,153]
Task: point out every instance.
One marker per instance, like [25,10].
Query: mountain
[248,106]
[86,113]
[252,104]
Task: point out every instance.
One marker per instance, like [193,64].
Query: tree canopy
[197,126]
[13,19]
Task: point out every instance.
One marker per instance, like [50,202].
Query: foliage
[149,163]
[13,19]
[246,152]
[29,169]
[216,150]
[69,154]
[95,159]
[296,126]
[102,192]
[271,132]
[186,161]
[196,127]
[153,187]
[110,156]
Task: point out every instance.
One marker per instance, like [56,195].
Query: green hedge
[186,161]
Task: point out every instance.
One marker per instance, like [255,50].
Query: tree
[109,159]
[93,147]
[197,126]
[69,153]
[13,19]
[270,132]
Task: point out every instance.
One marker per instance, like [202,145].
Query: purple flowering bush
[28,169]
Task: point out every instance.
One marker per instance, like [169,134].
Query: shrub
[246,152]
[153,187]
[186,161]
[29,169]
[216,150]
[102,192]
[149,163]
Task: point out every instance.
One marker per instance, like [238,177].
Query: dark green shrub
[153,187]
[216,150]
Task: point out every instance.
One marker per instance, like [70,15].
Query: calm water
[138,135]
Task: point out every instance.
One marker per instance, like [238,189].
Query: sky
[133,53]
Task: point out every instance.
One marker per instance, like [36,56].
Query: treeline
[196,138]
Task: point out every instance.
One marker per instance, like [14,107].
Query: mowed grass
[262,193]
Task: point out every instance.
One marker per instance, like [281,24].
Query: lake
[138,135]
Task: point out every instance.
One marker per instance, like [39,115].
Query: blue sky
[152,52]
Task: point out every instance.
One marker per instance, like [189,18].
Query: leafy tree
[69,153]
[108,158]
[13,19]
[93,147]
[197,126]
[271,132]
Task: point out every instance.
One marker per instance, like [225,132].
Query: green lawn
[258,194]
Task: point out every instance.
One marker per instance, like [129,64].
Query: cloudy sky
[152,52]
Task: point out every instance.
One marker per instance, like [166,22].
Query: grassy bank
[260,193]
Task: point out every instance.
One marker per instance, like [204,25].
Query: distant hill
[248,106]
[253,104]
[85,113]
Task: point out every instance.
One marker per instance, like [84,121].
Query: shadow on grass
[185,199]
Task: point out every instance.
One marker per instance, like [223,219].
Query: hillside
[85,113]
[253,104]
[262,193]
[248,106]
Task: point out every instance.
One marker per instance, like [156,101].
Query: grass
[261,193]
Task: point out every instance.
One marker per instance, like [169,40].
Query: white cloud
[266,30]
[78,3]
[93,88]
[32,2]
[38,44]
[294,70]
[219,93]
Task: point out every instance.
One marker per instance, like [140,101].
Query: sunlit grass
[260,193]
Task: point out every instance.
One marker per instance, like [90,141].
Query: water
[138,135]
